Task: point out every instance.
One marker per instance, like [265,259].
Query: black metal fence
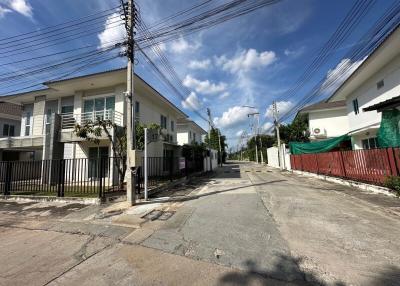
[93,177]
[161,170]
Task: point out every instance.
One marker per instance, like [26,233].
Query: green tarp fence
[389,133]
[297,148]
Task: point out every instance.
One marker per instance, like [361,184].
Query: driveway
[248,225]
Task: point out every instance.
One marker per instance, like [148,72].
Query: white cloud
[191,102]
[4,11]
[335,77]
[233,117]
[204,87]
[21,6]
[282,106]
[294,53]
[267,127]
[112,31]
[239,133]
[246,60]
[200,65]
[181,45]
[224,95]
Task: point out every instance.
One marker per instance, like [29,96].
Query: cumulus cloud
[21,6]
[181,45]
[112,33]
[204,87]
[246,60]
[224,95]
[239,133]
[233,117]
[335,77]
[191,102]
[200,65]
[282,106]
[267,127]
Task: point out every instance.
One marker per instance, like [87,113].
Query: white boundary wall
[275,161]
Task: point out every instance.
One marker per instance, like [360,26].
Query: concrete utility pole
[278,137]
[130,11]
[255,130]
[209,135]
[219,143]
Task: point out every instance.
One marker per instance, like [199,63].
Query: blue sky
[251,60]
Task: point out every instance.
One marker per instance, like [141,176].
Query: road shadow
[284,272]
[195,197]
[390,276]
[229,171]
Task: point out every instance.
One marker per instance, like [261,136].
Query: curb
[84,201]
[363,186]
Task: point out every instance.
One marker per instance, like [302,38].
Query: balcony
[21,142]
[69,120]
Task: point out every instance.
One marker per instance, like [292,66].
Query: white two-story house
[189,132]
[50,114]
[376,80]
[326,119]
[10,125]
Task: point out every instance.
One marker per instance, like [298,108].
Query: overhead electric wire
[385,25]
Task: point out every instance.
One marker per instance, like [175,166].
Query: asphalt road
[249,225]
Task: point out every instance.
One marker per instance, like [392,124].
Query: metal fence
[372,166]
[161,170]
[93,177]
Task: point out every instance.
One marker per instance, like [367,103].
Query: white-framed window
[163,122]
[99,107]
[172,125]
[369,143]
[8,130]
[28,122]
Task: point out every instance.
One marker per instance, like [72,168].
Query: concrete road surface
[248,225]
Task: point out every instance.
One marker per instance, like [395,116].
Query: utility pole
[219,143]
[130,13]
[255,130]
[209,135]
[278,137]
[259,137]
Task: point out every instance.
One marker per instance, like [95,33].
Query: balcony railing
[69,120]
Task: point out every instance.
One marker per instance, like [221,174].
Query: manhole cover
[158,215]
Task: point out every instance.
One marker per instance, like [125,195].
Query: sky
[247,61]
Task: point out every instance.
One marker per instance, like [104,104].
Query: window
[163,122]
[28,124]
[369,143]
[190,134]
[67,109]
[380,84]
[137,107]
[355,106]
[172,125]
[99,106]
[194,136]
[8,130]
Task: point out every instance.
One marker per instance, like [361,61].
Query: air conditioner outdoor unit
[318,132]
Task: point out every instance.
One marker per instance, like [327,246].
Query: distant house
[189,132]
[49,116]
[326,119]
[375,81]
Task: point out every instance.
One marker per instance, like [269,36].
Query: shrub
[393,183]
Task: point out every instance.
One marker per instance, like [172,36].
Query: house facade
[189,132]
[10,126]
[376,80]
[326,119]
[49,116]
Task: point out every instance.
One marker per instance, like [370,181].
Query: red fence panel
[371,166]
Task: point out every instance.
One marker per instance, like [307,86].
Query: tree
[267,142]
[92,131]
[214,142]
[297,131]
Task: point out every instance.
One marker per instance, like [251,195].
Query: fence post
[171,164]
[392,161]
[342,164]
[60,183]
[316,162]
[101,167]
[7,184]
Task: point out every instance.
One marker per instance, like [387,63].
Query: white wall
[368,94]
[186,131]
[273,157]
[333,123]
